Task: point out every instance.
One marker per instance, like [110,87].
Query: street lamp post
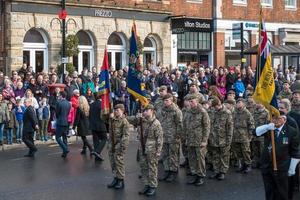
[63,10]
[62,15]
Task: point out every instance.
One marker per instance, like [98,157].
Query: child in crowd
[11,124]
[43,116]
[19,112]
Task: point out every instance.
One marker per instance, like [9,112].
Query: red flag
[104,87]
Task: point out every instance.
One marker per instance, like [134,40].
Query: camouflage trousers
[184,148]
[257,147]
[209,155]
[149,168]
[170,156]
[117,163]
[242,152]
[220,159]
[196,157]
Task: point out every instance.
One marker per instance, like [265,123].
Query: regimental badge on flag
[104,85]
[264,78]
[135,84]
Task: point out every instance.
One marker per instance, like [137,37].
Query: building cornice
[95,6]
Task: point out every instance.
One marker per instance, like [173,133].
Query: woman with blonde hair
[82,123]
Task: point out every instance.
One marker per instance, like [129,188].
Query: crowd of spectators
[41,88]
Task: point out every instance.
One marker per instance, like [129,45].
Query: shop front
[193,40]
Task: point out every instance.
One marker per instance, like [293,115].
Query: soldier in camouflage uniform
[117,145]
[195,91]
[183,135]
[242,134]
[231,95]
[197,128]
[286,93]
[149,148]
[250,104]
[261,116]
[220,138]
[170,118]
[159,102]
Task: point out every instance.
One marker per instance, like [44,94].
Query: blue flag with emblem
[135,84]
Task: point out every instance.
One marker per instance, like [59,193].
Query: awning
[279,50]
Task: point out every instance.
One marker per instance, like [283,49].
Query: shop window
[35,50]
[149,51]
[85,57]
[116,49]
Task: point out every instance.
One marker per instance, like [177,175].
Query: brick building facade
[282,23]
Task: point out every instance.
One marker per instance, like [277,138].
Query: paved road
[49,177]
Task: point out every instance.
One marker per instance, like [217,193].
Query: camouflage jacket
[158,104]
[119,127]
[170,119]
[197,126]
[185,114]
[243,126]
[285,94]
[261,117]
[199,95]
[152,134]
[221,130]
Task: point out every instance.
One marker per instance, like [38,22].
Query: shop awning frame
[277,50]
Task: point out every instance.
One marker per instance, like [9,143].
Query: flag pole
[274,161]
[258,73]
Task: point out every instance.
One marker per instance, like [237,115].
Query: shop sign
[103,13]
[181,25]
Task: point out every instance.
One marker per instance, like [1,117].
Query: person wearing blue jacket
[19,111]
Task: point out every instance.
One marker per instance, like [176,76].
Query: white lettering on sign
[103,13]
[203,25]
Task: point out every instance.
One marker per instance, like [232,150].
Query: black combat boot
[185,163]
[113,183]
[144,190]
[166,175]
[171,177]
[151,191]
[214,175]
[247,169]
[83,152]
[221,176]
[192,180]
[119,184]
[199,181]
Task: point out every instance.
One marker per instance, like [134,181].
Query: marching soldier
[197,129]
[159,102]
[220,138]
[243,126]
[261,116]
[185,110]
[151,141]
[117,145]
[170,118]
[195,90]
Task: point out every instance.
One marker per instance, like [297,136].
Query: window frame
[239,2]
[267,5]
[290,7]
[194,1]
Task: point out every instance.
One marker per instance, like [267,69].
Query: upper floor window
[194,1]
[267,3]
[243,2]
[291,4]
